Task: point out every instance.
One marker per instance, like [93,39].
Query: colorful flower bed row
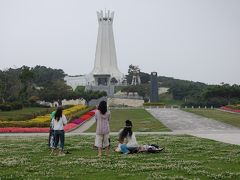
[68,127]
[40,121]
[235,106]
[230,109]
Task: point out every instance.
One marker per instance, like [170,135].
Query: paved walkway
[84,126]
[182,122]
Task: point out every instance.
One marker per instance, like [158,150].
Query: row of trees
[26,85]
[189,92]
[216,95]
[200,94]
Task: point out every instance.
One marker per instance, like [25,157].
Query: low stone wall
[64,102]
[125,102]
[95,102]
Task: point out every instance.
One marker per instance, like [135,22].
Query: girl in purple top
[102,117]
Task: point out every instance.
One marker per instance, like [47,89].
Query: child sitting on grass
[127,139]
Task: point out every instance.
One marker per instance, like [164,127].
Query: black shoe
[67,152]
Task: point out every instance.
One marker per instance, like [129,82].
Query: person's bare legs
[99,152]
[107,151]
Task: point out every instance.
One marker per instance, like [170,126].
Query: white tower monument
[105,71]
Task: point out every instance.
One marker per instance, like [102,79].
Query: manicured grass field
[22,114]
[142,120]
[184,157]
[226,117]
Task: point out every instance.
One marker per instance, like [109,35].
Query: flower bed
[68,127]
[40,121]
[23,130]
[236,106]
[230,109]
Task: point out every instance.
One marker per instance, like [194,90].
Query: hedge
[154,104]
[237,106]
[10,106]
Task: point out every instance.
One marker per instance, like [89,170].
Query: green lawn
[226,117]
[184,157]
[142,120]
[168,100]
[23,114]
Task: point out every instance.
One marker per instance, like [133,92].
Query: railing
[160,107]
[178,107]
[163,107]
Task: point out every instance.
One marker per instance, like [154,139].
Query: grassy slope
[142,121]
[23,114]
[168,100]
[229,118]
[185,157]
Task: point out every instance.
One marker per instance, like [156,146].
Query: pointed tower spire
[105,66]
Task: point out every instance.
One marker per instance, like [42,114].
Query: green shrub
[237,106]
[5,107]
[16,105]
[11,106]
[154,104]
[23,124]
[39,105]
[215,102]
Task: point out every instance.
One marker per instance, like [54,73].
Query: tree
[136,71]
[230,93]
[113,81]
[55,91]
[10,85]
[142,90]
[27,85]
[2,86]
[145,78]
[26,76]
[89,94]
[44,75]
[132,71]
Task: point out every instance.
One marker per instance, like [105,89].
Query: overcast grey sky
[195,40]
